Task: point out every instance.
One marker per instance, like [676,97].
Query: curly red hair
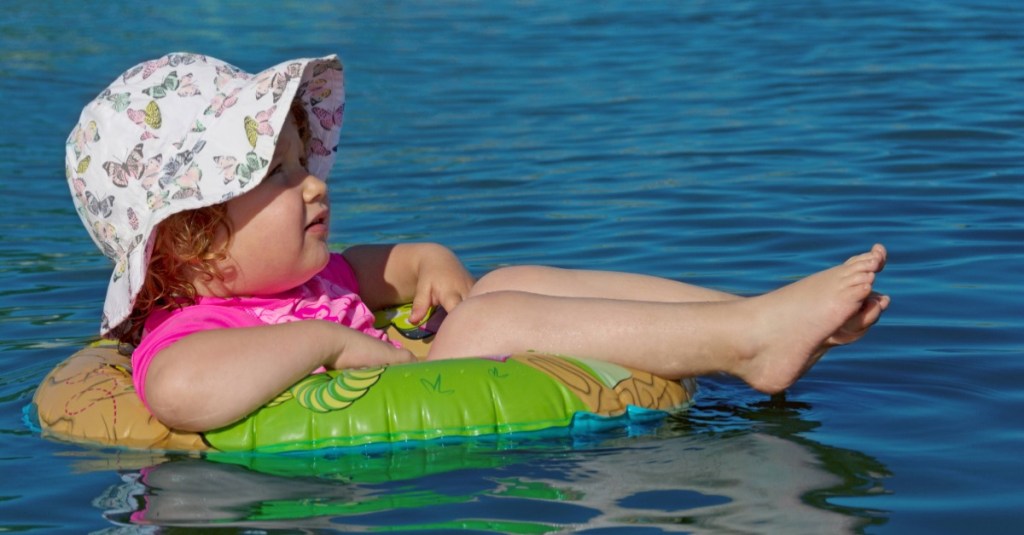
[184,247]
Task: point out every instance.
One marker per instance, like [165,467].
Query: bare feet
[858,324]
[798,323]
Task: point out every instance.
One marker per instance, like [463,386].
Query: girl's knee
[476,326]
[513,278]
[480,309]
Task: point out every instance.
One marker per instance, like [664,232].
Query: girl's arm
[426,274]
[212,378]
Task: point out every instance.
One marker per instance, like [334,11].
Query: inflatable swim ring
[89,397]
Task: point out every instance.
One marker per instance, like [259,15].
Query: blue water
[737,145]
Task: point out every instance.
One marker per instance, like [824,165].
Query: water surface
[737,145]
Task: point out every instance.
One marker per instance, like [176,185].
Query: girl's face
[280,228]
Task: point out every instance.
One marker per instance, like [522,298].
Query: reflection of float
[743,482]
[90,397]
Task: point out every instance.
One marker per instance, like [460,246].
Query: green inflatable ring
[90,397]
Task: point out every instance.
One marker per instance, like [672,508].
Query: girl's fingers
[420,305]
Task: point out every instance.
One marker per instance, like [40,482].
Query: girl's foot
[797,323]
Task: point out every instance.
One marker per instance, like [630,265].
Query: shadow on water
[721,466]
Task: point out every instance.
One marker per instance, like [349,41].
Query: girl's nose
[314,188]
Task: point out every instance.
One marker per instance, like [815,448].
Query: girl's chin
[324,257]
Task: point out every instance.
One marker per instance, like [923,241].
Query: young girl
[205,185]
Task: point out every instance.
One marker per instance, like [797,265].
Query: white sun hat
[181,132]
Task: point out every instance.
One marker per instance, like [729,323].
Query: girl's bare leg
[769,341]
[636,287]
[604,284]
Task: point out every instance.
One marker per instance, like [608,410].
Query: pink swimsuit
[330,295]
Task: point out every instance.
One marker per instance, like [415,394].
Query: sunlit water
[737,145]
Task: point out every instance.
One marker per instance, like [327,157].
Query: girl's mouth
[318,225]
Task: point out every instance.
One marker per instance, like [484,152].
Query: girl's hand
[441,280]
[362,350]
[426,274]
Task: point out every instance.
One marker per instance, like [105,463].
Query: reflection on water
[690,478]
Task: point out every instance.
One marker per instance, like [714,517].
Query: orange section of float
[90,397]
